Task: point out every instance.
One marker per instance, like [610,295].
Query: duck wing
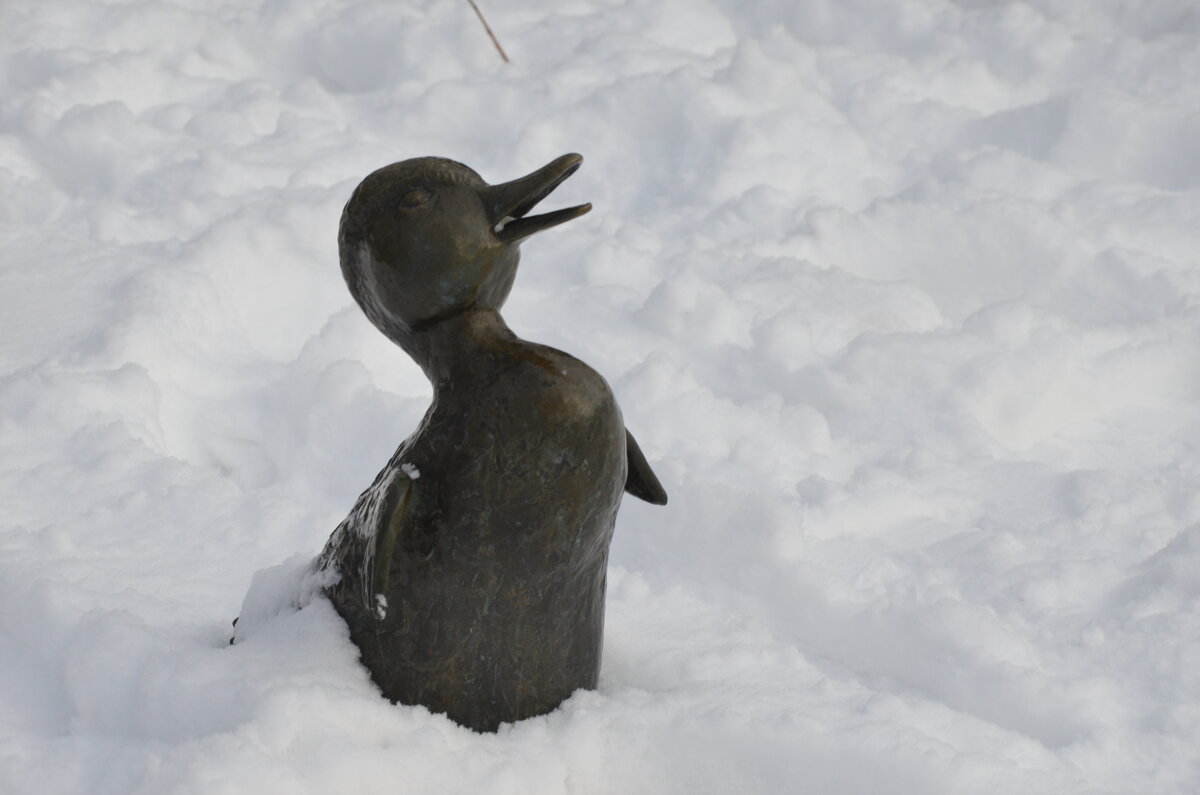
[361,547]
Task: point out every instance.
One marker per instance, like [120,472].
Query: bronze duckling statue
[472,571]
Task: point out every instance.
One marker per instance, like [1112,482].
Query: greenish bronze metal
[472,570]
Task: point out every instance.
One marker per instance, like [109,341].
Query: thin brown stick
[488,28]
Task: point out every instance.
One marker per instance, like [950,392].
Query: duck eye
[415,198]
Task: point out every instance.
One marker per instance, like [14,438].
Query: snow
[900,299]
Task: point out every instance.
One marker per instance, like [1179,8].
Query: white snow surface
[901,299]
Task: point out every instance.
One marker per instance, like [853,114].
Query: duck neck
[454,350]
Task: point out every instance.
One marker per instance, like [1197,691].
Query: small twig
[488,28]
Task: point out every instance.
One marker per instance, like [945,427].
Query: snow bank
[900,299]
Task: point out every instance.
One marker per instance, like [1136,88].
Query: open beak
[508,203]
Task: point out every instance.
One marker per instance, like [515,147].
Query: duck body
[471,572]
[494,608]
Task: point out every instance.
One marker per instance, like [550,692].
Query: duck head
[426,239]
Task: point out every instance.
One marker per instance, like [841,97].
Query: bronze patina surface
[472,570]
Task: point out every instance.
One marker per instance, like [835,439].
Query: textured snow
[901,300]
